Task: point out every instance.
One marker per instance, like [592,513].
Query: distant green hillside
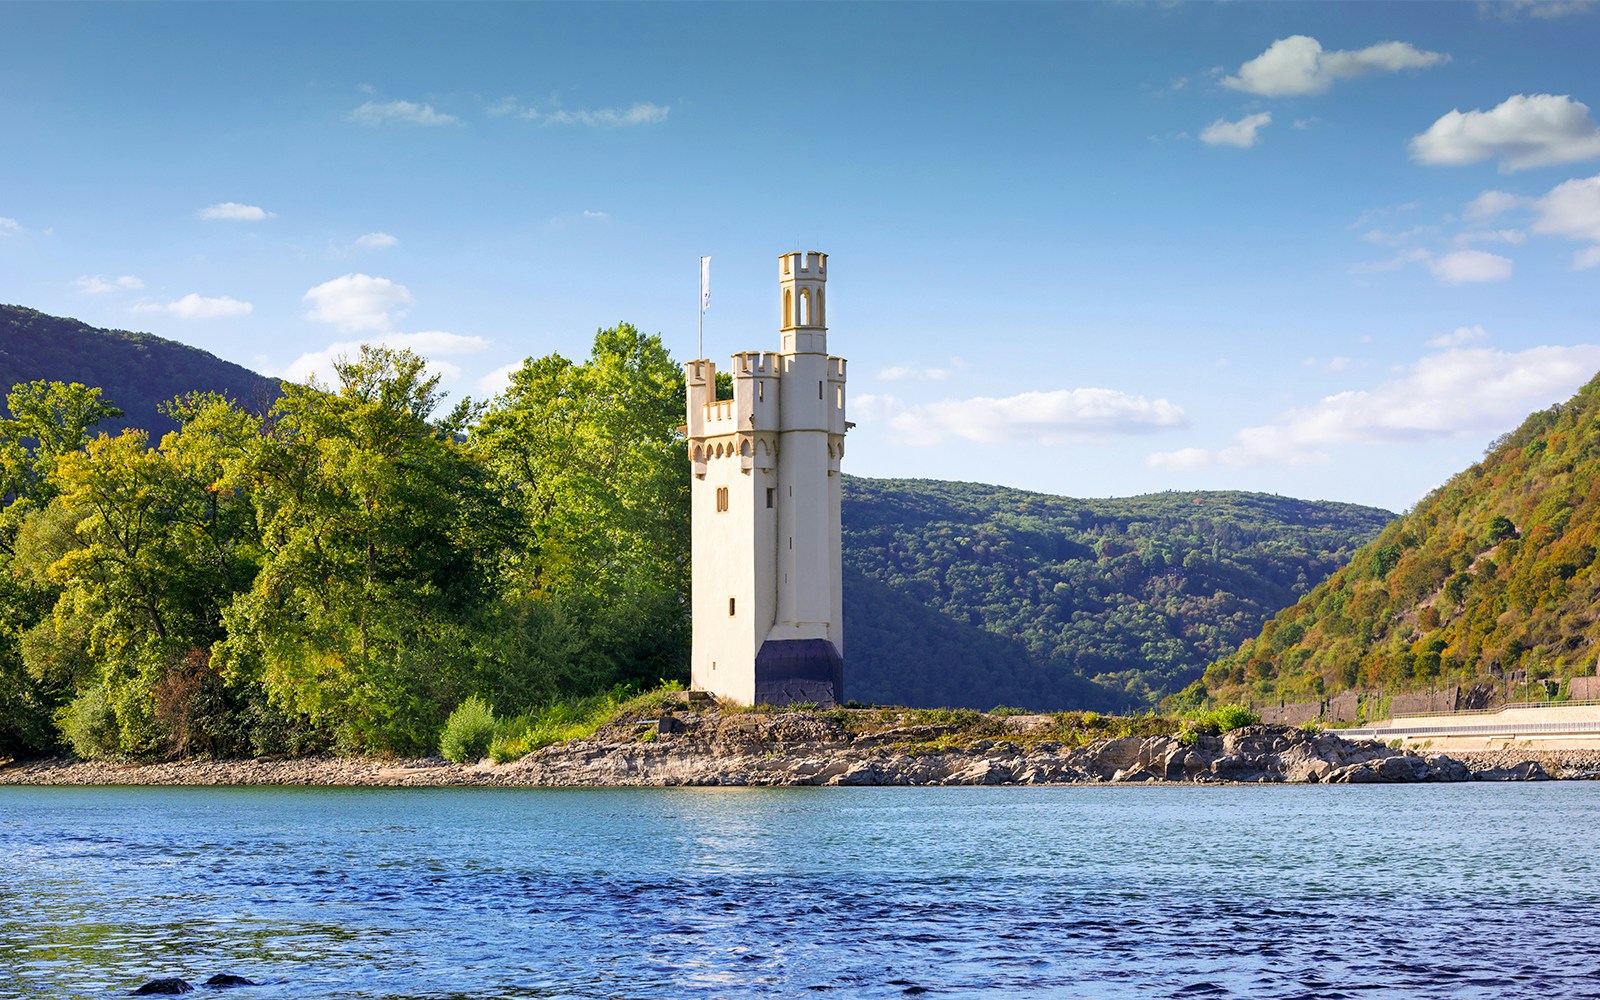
[1491,580]
[962,594]
[136,371]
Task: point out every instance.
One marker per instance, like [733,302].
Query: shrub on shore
[468,732]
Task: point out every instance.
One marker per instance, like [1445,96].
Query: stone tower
[768,619]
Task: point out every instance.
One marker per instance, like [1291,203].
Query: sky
[1328,251]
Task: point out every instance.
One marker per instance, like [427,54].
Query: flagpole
[700,305]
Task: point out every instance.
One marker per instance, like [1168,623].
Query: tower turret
[768,617]
[803,281]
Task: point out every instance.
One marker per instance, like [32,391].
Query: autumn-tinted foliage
[962,594]
[1490,579]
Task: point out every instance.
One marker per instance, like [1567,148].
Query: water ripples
[1073,892]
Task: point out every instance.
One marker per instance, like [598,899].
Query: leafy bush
[468,732]
[90,725]
[1223,719]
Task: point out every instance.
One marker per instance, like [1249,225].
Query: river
[1447,891]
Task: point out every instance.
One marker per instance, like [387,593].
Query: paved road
[1484,728]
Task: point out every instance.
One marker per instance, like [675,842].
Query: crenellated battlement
[749,364]
[812,264]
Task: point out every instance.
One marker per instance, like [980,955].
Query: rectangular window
[730,607]
[772,497]
[722,499]
[819,389]
[761,390]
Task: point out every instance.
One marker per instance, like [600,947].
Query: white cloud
[93,284]
[638,113]
[232,211]
[1572,208]
[357,302]
[195,306]
[1492,203]
[373,114]
[1453,394]
[1523,131]
[1586,258]
[597,216]
[1031,417]
[1470,266]
[1460,335]
[9,227]
[376,241]
[431,344]
[1241,133]
[497,381]
[1298,65]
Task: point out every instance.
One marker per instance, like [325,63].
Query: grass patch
[573,718]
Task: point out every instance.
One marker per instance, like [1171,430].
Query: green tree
[45,421]
[589,456]
[381,542]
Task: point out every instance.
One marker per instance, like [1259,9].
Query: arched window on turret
[805,307]
[788,307]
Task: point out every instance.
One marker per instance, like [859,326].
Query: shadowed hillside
[967,595]
[135,371]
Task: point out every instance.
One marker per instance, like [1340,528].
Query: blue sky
[1323,250]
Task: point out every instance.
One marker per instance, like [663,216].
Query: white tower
[768,618]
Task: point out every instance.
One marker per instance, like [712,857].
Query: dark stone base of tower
[799,670]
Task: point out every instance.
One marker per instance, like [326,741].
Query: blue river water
[1448,891]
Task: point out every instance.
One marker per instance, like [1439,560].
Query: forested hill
[134,371]
[962,594]
[1489,580]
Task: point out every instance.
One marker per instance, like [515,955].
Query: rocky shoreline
[715,748]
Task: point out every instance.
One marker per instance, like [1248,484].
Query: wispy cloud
[1490,204]
[9,227]
[375,113]
[376,241]
[1459,267]
[1334,364]
[1459,336]
[93,284]
[1522,131]
[1242,133]
[914,373]
[1298,65]
[1547,10]
[638,113]
[1045,418]
[1453,394]
[1465,267]
[196,306]
[232,211]
[357,302]
[1514,237]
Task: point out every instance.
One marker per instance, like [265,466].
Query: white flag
[705,283]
